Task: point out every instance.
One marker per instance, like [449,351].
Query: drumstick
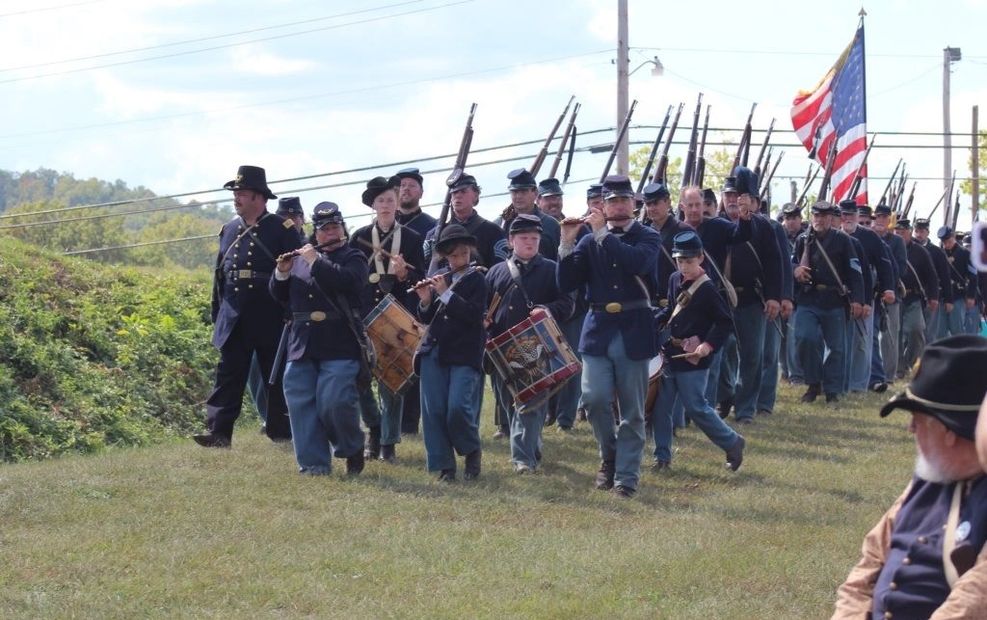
[494,302]
[385,253]
[680,356]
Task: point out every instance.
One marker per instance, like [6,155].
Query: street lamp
[657,69]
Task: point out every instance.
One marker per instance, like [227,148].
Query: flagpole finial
[862,13]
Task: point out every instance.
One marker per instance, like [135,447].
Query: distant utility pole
[622,95]
[975,165]
[949,56]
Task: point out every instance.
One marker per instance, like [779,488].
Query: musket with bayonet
[764,147]
[697,178]
[510,212]
[828,175]
[887,188]
[457,172]
[757,173]
[620,138]
[809,180]
[661,170]
[911,198]
[766,189]
[564,143]
[941,198]
[858,175]
[745,142]
[654,151]
[690,157]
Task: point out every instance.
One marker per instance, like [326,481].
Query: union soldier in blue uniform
[290,208]
[935,320]
[658,209]
[698,321]
[794,226]
[319,287]
[924,557]
[550,199]
[754,269]
[921,289]
[525,282]
[891,329]
[394,256]
[618,338]
[247,319]
[412,216]
[491,242]
[450,357]
[879,288]
[409,198]
[717,234]
[524,193]
[821,302]
[774,334]
[963,278]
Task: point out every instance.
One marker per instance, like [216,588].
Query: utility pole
[795,190]
[949,56]
[975,166]
[622,79]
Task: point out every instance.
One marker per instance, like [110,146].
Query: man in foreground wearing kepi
[924,557]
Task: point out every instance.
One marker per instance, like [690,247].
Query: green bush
[92,355]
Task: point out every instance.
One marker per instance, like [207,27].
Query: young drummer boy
[450,358]
[524,283]
[697,321]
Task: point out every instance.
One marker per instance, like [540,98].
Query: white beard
[930,470]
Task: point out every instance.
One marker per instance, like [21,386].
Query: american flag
[836,109]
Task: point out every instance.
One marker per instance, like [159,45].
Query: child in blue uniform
[450,358]
[698,322]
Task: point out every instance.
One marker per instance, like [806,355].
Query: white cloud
[253,59]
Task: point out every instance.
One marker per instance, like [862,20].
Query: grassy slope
[175,530]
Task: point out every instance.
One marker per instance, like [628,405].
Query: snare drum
[395,335]
[533,358]
[654,380]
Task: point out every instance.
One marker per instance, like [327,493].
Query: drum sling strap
[688,293]
[515,272]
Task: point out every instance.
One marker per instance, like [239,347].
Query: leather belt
[248,274]
[615,307]
[316,316]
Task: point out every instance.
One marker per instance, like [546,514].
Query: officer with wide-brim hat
[253,178]
[377,186]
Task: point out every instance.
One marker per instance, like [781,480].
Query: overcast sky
[175,94]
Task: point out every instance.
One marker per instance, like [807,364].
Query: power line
[229,45]
[712,50]
[49,8]
[227,35]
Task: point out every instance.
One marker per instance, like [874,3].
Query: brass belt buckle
[318,315]
[244,274]
[613,307]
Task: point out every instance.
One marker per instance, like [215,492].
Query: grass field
[178,531]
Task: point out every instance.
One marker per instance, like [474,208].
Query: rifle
[828,175]
[884,194]
[543,153]
[457,172]
[654,151]
[767,183]
[939,202]
[809,180]
[842,288]
[697,178]
[620,138]
[757,171]
[949,199]
[899,194]
[690,158]
[661,171]
[908,203]
[509,212]
[569,129]
[743,149]
[572,151]
[857,178]
[764,146]
[956,211]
